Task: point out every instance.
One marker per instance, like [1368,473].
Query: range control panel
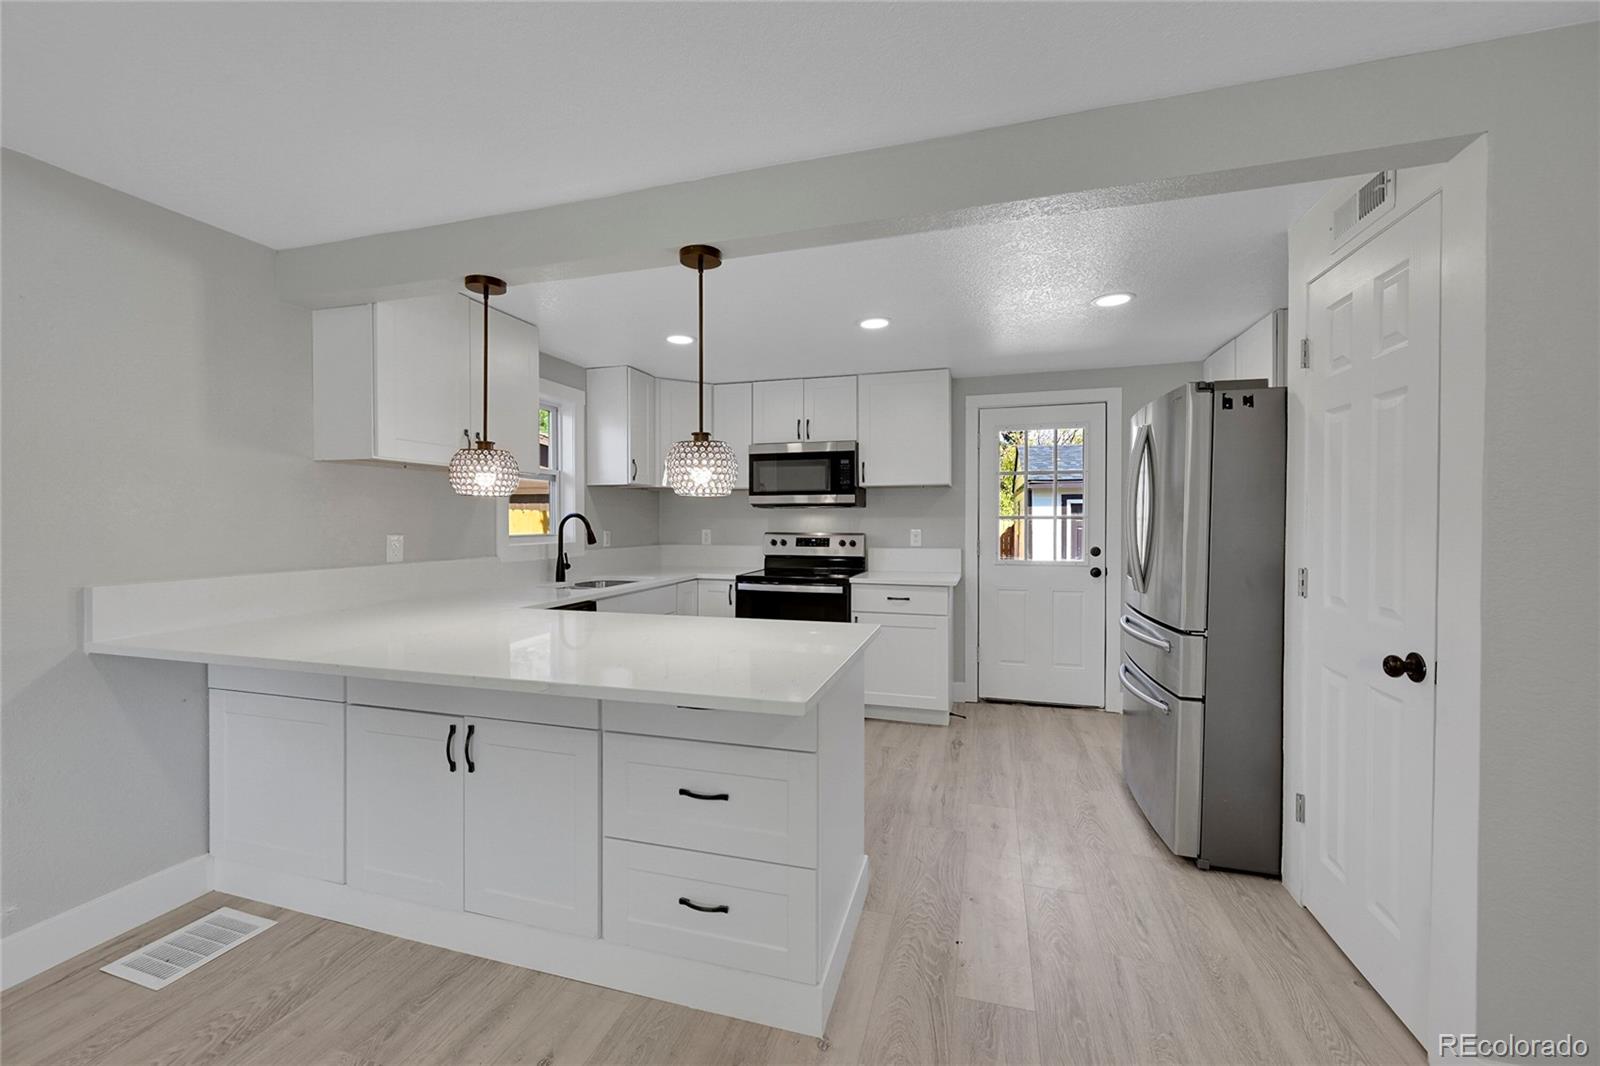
[836,544]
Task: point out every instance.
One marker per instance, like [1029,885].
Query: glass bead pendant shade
[482,469]
[701,466]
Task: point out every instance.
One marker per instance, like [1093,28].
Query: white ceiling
[992,299]
[298,123]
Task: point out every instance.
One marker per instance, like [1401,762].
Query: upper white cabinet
[732,404]
[803,409]
[513,384]
[395,381]
[1256,353]
[905,428]
[830,409]
[1221,364]
[620,412]
[677,416]
[777,411]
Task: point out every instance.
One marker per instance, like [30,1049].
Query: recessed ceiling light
[1113,299]
[680,338]
[873,323]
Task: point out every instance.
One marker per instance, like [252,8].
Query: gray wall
[890,514]
[157,424]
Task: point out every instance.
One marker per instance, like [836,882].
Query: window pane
[1008,446]
[1011,495]
[1069,450]
[1072,539]
[530,508]
[547,426]
[1011,538]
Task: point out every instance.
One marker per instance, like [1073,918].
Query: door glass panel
[1041,482]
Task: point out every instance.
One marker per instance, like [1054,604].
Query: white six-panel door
[1041,552]
[1372,449]
[532,830]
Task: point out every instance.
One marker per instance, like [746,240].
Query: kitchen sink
[602,583]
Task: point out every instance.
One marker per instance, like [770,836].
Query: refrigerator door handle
[1138,632]
[1126,678]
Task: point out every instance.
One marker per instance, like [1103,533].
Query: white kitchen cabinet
[620,413]
[391,381]
[688,598]
[715,598]
[830,412]
[1256,351]
[677,416]
[1221,364]
[513,384]
[496,817]
[777,411]
[908,663]
[905,428]
[803,409]
[277,782]
[732,405]
[532,829]
[405,805]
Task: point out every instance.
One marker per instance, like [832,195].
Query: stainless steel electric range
[806,577]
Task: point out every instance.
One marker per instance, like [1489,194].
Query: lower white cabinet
[754,916]
[533,824]
[277,782]
[908,663]
[662,600]
[499,818]
[715,598]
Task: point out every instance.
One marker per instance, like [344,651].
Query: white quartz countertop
[941,578]
[501,640]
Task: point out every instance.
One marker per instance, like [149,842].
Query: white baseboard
[800,1008]
[33,950]
[915,715]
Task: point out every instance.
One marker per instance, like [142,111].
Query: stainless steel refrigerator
[1202,622]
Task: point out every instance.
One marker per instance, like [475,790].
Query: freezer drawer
[1162,740]
[1175,661]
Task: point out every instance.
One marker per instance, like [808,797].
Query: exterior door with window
[1041,545]
[1371,403]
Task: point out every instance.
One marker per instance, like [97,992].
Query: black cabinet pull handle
[685,901]
[633,470]
[900,599]
[449,743]
[702,795]
[730,594]
[466,748]
[797,429]
[808,429]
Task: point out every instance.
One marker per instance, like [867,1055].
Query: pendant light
[483,469]
[701,466]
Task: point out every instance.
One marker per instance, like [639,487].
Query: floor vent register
[158,964]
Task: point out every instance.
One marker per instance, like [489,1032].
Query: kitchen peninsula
[670,806]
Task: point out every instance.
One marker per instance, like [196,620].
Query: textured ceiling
[989,299]
[297,123]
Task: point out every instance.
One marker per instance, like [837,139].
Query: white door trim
[1453,937]
[1115,444]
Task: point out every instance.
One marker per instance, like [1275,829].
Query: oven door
[797,601]
[804,474]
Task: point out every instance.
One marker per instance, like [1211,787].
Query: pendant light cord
[700,269]
[485,363]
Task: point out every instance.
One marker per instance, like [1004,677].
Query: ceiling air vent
[1364,206]
[159,964]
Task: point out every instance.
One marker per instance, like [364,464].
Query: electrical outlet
[605,538]
[916,538]
[394,548]
[705,536]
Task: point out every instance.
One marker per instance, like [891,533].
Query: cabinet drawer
[277,682]
[900,599]
[756,803]
[704,723]
[753,916]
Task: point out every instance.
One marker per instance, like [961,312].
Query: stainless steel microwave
[805,473]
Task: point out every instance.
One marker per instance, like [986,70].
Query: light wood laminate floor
[1021,911]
